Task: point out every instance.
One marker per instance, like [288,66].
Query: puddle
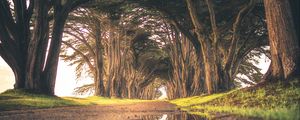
[180,115]
[170,116]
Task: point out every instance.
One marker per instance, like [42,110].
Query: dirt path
[138,111]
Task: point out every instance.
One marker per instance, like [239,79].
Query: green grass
[20,99]
[94,100]
[273,101]
[282,113]
[190,101]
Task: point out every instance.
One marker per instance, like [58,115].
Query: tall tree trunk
[61,12]
[111,64]
[206,48]
[37,49]
[50,70]
[26,56]
[283,40]
[99,85]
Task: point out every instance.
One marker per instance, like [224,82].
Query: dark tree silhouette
[25,43]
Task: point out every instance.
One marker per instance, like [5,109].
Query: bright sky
[65,80]
[264,63]
[6,76]
[164,93]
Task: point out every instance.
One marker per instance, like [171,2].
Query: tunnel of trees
[130,48]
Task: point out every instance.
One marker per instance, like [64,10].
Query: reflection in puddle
[173,116]
[164,117]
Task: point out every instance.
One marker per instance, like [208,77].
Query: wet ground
[139,111]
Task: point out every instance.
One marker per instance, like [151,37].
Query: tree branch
[212,21]
[194,17]
[233,46]
[7,18]
[86,59]
[84,42]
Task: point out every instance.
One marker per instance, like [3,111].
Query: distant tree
[283,40]
[122,49]
[83,36]
[215,29]
[186,78]
[240,30]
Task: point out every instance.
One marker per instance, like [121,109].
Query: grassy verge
[20,99]
[94,100]
[273,101]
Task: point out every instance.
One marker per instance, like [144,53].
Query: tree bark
[206,49]
[37,48]
[283,40]
[99,85]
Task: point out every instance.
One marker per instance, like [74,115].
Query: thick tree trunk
[211,73]
[19,79]
[50,70]
[283,40]
[18,67]
[111,65]
[14,37]
[26,56]
[99,85]
[37,49]
[25,53]
[206,48]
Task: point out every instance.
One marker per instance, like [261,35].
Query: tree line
[131,47]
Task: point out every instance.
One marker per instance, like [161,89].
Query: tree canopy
[130,48]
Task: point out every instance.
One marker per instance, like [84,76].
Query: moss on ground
[272,101]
